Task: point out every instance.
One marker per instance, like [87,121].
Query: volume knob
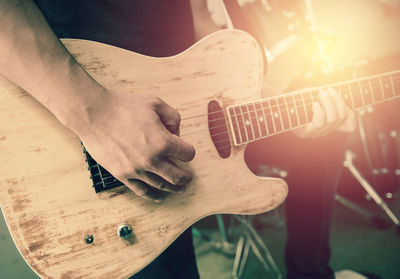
[124,231]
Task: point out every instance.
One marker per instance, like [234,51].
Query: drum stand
[248,238]
[348,163]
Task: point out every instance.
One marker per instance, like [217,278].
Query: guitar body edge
[45,190]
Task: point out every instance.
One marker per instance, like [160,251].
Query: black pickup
[102,179]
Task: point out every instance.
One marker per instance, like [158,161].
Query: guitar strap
[239,21]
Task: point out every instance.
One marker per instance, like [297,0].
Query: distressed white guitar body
[45,191]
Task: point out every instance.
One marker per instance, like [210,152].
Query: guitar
[66,229]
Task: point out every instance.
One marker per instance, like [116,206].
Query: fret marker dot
[261,119]
[276,115]
[292,111]
[247,122]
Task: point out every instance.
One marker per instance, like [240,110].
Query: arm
[203,23]
[32,57]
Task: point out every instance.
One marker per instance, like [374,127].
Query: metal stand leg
[221,244]
[248,238]
[251,239]
[348,163]
[378,221]
[242,253]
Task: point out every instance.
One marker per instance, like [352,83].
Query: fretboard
[260,119]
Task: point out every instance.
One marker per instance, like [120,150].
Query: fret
[361,94]
[308,104]
[293,113]
[300,108]
[366,92]
[235,124]
[356,96]
[269,117]
[345,90]
[344,95]
[261,119]
[391,82]
[247,123]
[315,95]
[275,115]
[372,91]
[396,82]
[284,112]
[101,176]
[386,87]
[376,88]
[254,120]
[243,131]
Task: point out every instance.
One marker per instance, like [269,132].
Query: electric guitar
[65,228]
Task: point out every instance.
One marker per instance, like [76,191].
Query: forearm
[32,57]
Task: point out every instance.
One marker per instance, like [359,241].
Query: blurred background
[310,43]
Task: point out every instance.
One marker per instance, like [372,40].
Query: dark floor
[356,242]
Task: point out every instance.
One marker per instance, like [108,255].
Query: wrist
[80,97]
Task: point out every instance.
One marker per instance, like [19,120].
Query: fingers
[164,177]
[339,105]
[329,114]
[175,146]
[173,174]
[349,125]
[179,149]
[318,121]
[168,116]
[316,124]
[329,106]
[143,190]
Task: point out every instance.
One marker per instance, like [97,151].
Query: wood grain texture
[45,191]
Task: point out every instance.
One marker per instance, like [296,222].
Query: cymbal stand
[221,244]
[348,163]
[249,238]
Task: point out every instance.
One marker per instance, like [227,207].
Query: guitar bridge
[101,178]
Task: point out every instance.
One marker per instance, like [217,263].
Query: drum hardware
[377,221]
[222,244]
[244,239]
[249,238]
[348,163]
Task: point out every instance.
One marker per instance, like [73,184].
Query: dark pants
[313,167]
[308,207]
[176,262]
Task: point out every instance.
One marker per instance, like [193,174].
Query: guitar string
[253,136]
[262,112]
[304,93]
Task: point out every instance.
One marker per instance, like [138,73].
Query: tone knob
[124,231]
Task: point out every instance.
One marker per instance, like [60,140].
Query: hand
[134,136]
[331,113]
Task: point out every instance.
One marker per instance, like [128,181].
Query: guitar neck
[266,117]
